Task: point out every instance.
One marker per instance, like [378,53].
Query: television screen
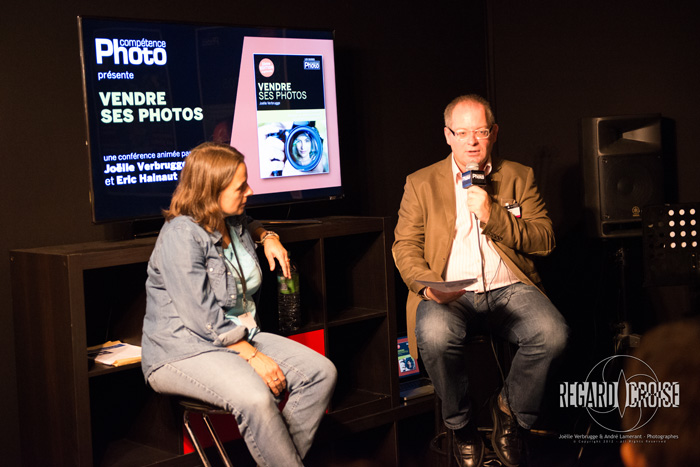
[155,90]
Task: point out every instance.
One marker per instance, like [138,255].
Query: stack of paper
[115,353]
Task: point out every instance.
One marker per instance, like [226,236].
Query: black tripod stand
[623,338]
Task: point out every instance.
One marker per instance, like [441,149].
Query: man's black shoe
[505,439]
[468,447]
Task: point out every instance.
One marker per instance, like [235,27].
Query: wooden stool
[204,409]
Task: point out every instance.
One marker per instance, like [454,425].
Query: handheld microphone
[473,176]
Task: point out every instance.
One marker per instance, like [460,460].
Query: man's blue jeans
[519,313]
[224,379]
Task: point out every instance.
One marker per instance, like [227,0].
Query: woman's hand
[263,365]
[270,372]
[274,250]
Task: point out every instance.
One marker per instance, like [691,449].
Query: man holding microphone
[452,226]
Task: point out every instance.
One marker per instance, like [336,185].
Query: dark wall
[555,63]
[397,63]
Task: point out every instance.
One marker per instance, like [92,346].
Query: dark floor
[542,450]
[419,447]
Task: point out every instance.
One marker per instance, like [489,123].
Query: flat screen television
[155,90]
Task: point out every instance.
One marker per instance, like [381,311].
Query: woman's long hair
[208,169]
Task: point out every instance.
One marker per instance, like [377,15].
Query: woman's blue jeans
[519,313]
[224,379]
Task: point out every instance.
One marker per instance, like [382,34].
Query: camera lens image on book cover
[304,148]
[292,148]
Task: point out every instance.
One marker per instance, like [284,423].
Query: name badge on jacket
[514,208]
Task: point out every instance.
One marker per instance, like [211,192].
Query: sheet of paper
[115,353]
[448,286]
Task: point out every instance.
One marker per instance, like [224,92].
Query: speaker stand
[623,339]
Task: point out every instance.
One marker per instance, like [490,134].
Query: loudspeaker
[621,161]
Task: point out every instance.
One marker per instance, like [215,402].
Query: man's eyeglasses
[481,133]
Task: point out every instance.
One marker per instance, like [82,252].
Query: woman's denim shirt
[188,285]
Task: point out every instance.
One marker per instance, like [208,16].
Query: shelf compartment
[306,255]
[355,273]
[129,419]
[115,303]
[351,315]
[359,351]
[359,404]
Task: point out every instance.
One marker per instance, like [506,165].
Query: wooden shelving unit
[69,297]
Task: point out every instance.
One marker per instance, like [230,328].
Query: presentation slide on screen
[154,91]
[291,115]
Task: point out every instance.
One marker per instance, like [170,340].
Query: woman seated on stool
[200,337]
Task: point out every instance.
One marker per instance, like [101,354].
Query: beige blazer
[427,215]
